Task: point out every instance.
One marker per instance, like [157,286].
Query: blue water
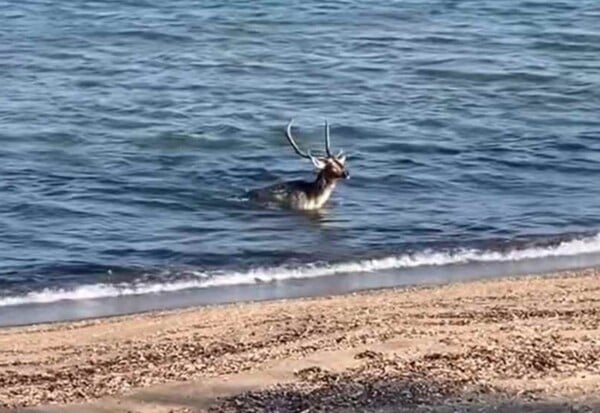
[130,132]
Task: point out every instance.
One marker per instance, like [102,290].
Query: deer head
[332,167]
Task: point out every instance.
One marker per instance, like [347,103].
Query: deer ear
[318,163]
[342,159]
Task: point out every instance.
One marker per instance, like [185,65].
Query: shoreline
[528,339]
[69,310]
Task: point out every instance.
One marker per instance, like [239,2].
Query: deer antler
[290,138]
[327,143]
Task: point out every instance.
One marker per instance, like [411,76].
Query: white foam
[203,279]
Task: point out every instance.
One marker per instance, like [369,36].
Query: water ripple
[131,131]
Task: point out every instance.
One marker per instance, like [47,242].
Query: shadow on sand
[377,385]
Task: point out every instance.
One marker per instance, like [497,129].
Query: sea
[130,132]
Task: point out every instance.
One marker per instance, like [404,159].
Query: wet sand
[525,344]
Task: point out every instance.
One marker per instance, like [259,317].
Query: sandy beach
[524,344]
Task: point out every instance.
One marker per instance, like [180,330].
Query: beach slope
[527,344]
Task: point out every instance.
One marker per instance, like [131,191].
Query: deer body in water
[306,195]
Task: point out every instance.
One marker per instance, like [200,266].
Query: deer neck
[322,188]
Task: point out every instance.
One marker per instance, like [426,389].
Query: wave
[197,279]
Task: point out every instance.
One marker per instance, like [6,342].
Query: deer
[306,195]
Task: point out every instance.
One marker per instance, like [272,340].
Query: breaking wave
[196,279]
